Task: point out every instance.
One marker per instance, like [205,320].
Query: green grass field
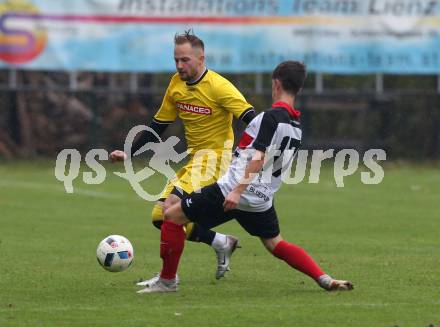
[385,238]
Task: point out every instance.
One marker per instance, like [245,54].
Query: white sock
[325,281]
[219,241]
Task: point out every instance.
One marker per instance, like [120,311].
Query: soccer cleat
[330,284]
[156,277]
[224,255]
[158,286]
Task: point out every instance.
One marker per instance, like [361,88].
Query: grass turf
[382,237]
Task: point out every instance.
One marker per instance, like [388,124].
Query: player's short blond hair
[189,37]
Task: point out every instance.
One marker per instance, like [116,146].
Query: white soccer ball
[115,253]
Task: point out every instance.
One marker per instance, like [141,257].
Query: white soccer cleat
[159,287]
[224,255]
[330,284]
[151,281]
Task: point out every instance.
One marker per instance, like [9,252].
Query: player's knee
[157,216]
[170,201]
[169,213]
[271,243]
[170,210]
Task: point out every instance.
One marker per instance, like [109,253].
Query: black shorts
[205,207]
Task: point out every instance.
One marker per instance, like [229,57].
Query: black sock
[199,234]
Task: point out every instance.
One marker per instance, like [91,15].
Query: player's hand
[231,201]
[117,155]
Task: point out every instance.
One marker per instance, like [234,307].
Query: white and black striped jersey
[276,132]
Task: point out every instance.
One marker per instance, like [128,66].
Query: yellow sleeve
[167,111]
[232,100]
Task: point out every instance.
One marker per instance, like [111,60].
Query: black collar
[199,79]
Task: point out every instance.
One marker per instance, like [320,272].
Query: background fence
[61,84]
[44,112]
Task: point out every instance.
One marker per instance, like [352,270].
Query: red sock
[298,258]
[172,241]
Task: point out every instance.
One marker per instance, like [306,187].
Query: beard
[188,75]
[184,76]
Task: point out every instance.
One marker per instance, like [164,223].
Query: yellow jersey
[206,108]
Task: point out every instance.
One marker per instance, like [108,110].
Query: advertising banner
[330,36]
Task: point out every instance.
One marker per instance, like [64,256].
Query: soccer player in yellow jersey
[206,104]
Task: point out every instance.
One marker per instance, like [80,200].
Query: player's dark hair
[189,37]
[291,74]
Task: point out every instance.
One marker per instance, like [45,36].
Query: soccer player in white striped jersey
[245,192]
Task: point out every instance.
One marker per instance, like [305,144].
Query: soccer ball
[115,253]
